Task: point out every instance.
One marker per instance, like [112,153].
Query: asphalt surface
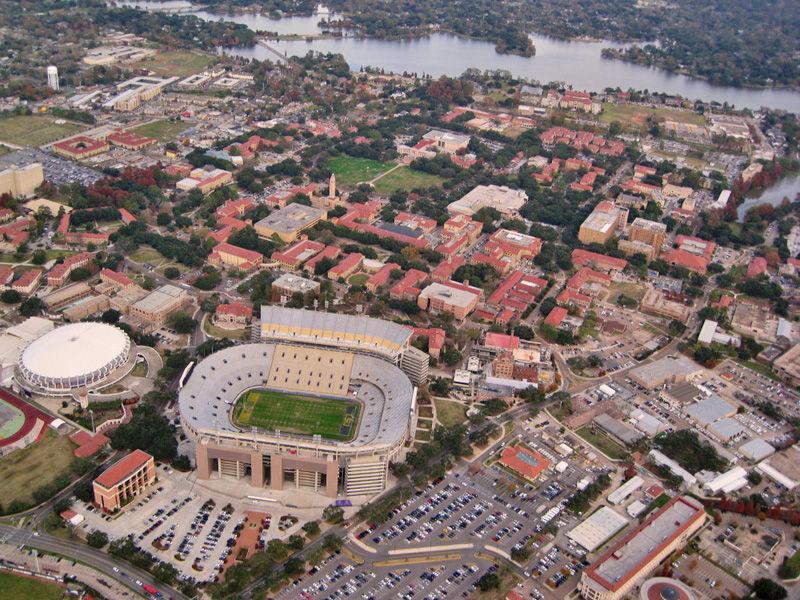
[98,560]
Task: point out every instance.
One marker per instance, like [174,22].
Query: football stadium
[322,402]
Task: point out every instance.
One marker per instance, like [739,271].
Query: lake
[788,187]
[577,63]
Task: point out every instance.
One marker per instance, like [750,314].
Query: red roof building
[80,147]
[232,313]
[502,341]
[6,275]
[445,269]
[556,316]
[407,288]
[462,226]
[757,266]
[436,338]
[126,216]
[297,254]
[571,297]
[331,252]
[522,460]
[381,276]
[234,256]
[235,208]
[27,282]
[693,262]
[586,275]
[347,266]
[601,262]
[116,278]
[413,221]
[57,276]
[516,293]
[130,140]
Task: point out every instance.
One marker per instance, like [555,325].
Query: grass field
[450,413]
[14,586]
[149,255]
[358,279]
[350,170]
[163,130]
[407,179]
[630,115]
[603,443]
[332,419]
[178,64]
[30,130]
[25,470]
[221,332]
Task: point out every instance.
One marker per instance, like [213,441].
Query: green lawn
[331,418]
[14,586]
[450,413]
[31,130]
[634,116]
[358,279]
[406,178]
[25,470]
[350,171]
[163,130]
[178,63]
[603,443]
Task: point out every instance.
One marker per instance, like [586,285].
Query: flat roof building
[288,222]
[442,297]
[788,365]
[710,409]
[154,308]
[640,552]
[596,529]
[288,284]
[502,198]
[665,370]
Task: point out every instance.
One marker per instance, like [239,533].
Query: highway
[100,561]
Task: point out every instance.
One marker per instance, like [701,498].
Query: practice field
[11,420]
[163,130]
[25,470]
[631,115]
[350,170]
[406,178]
[30,130]
[16,586]
[277,411]
[178,64]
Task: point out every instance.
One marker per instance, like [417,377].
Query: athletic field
[293,413]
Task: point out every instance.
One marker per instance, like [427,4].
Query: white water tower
[52,78]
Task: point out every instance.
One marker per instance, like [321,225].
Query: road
[98,560]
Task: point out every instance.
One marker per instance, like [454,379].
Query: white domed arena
[73,357]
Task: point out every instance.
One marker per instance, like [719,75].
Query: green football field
[330,418]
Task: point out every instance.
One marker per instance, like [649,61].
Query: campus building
[21,181]
[124,480]
[288,222]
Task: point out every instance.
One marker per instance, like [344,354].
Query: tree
[333,514]
[31,307]
[148,431]
[332,543]
[766,589]
[311,528]
[80,274]
[39,257]
[182,323]
[295,542]
[277,550]
[489,581]
[172,273]
[97,539]
[110,316]
[450,355]
[293,566]
[10,297]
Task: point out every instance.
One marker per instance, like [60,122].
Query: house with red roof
[408,287]
[757,266]
[27,282]
[445,269]
[347,266]
[58,275]
[556,316]
[234,313]
[299,252]
[595,260]
[436,338]
[233,256]
[116,279]
[381,276]
[126,216]
[331,252]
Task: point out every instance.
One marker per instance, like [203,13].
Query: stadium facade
[311,354]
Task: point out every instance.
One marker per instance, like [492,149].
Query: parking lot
[182,524]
